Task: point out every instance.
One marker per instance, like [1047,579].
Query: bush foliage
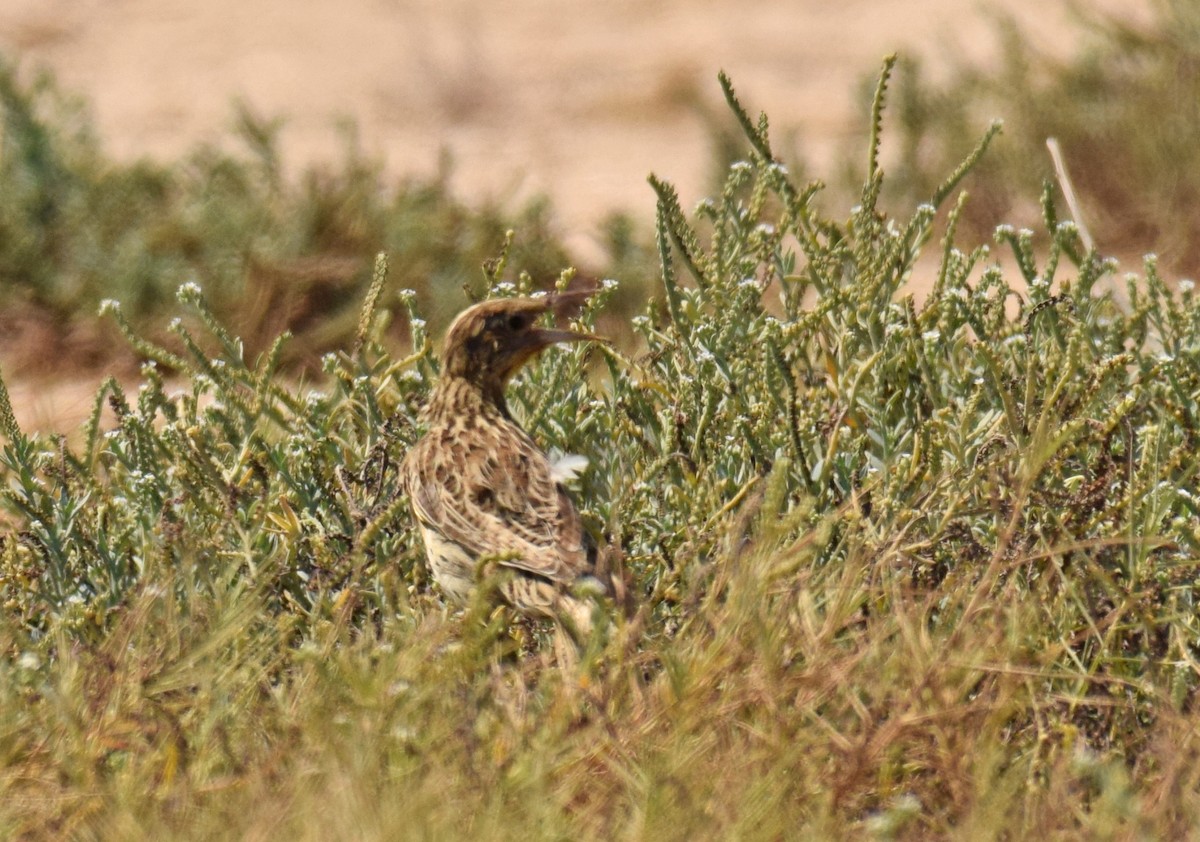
[906,569]
[272,253]
[1131,156]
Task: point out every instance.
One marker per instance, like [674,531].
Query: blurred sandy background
[575,100]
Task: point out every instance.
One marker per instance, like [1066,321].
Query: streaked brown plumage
[478,485]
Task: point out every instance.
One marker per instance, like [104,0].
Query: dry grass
[906,571]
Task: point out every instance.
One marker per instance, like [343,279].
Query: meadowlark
[480,488]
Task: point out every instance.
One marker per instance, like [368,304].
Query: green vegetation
[271,253]
[1124,109]
[906,571]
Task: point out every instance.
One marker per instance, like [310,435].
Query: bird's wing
[504,501]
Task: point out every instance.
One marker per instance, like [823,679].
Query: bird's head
[488,343]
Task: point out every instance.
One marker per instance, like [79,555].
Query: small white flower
[740,167]
[777,168]
[932,335]
[1186,285]
[109,305]
[567,466]
[608,284]
[766,229]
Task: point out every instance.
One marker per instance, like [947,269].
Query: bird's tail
[575,616]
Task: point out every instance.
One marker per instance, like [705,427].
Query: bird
[481,490]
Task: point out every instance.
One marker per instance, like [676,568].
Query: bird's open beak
[536,341]
[545,337]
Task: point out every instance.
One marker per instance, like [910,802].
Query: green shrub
[1125,110]
[272,253]
[906,570]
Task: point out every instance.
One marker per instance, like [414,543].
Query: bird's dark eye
[517,321]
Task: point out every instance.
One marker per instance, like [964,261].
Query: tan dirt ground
[572,99]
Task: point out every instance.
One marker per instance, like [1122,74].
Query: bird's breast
[452,566]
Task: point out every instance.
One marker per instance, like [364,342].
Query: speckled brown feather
[478,484]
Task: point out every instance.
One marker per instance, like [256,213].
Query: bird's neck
[455,397]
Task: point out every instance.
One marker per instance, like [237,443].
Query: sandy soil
[577,100]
